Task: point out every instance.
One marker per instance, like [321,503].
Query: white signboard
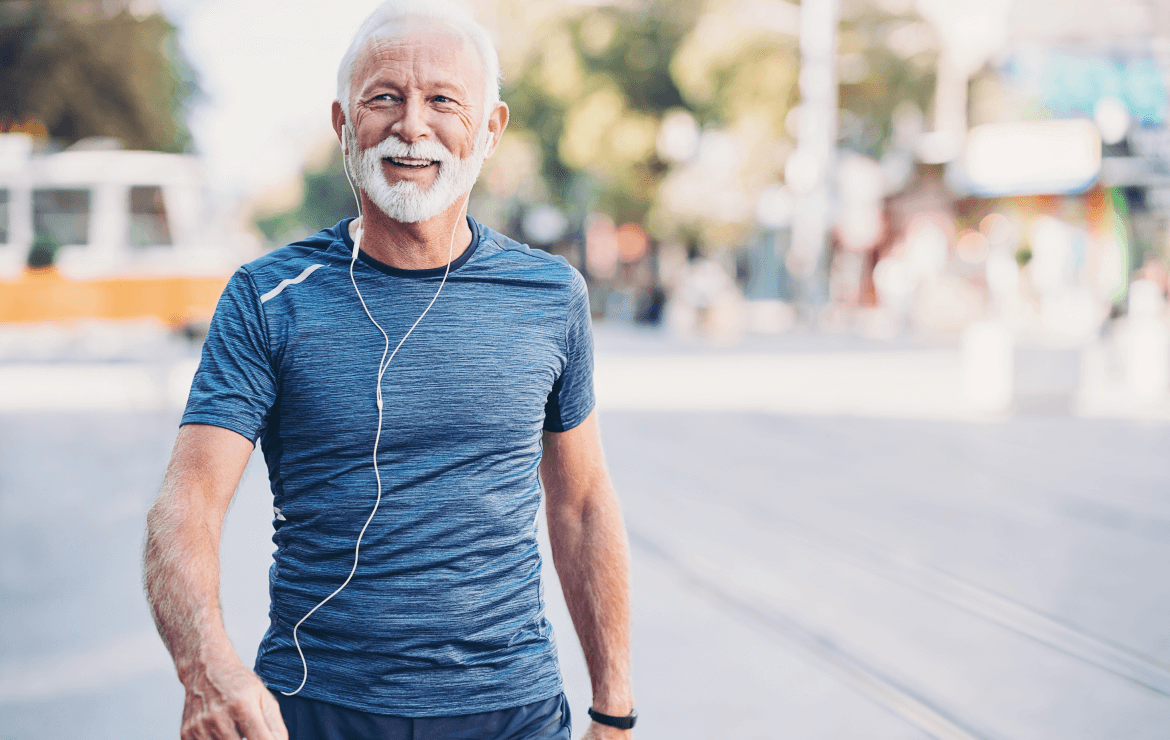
[1032,157]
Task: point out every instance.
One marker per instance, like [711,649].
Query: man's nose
[412,124]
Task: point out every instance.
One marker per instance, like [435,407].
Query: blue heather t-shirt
[445,614]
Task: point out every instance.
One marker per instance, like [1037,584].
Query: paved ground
[795,577]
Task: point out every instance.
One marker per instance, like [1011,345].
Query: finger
[218,728]
[252,723]
[273,717]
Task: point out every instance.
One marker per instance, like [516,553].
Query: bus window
[3,216]
[148,217]
[61,216]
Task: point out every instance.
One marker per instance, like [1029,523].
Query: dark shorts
[308,719]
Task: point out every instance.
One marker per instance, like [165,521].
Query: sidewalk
[642,371]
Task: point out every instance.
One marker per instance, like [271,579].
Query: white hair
[445,12]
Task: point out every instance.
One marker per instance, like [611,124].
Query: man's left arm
[591,555]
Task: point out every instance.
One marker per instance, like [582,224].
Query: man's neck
[415,246]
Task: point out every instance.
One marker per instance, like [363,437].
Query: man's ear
[339,125]
[497,122]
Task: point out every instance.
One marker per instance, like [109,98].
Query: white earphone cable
[383,365]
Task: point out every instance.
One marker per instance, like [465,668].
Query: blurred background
[879,290]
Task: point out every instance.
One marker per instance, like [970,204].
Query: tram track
[880,560]
[823,649]
[1100,653]
[841,655]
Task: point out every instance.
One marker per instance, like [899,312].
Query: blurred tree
[737,68]
[591,88]
[81,70]
[887,56]
[326,198]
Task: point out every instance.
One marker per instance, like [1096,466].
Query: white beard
[405,201]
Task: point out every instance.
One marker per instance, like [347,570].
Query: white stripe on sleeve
[285,283]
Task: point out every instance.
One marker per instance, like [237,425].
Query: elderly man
[413,377]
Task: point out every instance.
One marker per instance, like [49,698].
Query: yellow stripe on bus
[44,295]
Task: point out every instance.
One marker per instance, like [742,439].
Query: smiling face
[417,119]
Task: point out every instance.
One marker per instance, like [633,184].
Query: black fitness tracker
[622,723]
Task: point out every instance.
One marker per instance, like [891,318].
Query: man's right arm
[181,576]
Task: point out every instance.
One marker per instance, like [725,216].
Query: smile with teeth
[415,164]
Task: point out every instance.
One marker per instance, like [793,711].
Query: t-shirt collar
[459,261]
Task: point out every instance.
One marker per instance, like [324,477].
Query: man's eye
[442,99]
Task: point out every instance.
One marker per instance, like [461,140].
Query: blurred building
[1050,195]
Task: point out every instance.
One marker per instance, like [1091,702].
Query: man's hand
[229,702]
[597,731]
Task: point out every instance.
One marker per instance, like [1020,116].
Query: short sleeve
[235,385]
[571,399]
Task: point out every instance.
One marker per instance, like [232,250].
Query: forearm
[591,555]
[180,572]
[181,578]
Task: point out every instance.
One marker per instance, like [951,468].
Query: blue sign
[1069,84]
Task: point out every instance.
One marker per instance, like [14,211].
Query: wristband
[622,723]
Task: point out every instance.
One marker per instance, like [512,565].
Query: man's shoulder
[495,246]
[297,256]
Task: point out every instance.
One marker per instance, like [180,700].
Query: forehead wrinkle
[388,48]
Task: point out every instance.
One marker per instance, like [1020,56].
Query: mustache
[392,146]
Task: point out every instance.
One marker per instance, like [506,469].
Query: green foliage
[326,200]
[84,73]
[636,53]
[592,93]
[896,73]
